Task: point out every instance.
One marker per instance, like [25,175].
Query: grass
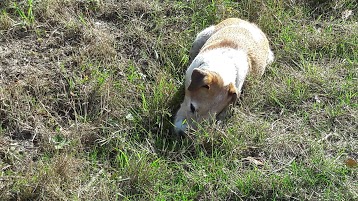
[27,15]
[88,90]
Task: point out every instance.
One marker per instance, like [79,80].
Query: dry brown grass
[88,89]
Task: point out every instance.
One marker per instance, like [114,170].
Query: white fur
[230,64]
[271,57]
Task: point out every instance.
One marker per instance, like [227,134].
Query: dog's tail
[271,57]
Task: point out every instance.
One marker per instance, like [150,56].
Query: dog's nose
[180,126]
[181,133]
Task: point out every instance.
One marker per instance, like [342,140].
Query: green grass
[26,15]
[88,91]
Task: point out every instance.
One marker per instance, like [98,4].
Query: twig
[327,136]
[90,183]
[6,167]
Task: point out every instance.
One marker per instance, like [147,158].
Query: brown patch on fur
[233,92]
[200,78]
[222,43]
[216,85]
[214,99]
[208,101]
[232,89]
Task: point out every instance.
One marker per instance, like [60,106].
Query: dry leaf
[346,14]
[351,162]
[253,160]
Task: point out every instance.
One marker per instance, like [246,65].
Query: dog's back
[239,34]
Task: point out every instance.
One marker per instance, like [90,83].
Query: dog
[222,57]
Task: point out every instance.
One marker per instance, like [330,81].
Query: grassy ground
[88,89]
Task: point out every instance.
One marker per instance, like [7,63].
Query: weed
[26,15]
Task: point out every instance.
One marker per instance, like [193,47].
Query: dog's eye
[206,86]
[192,108]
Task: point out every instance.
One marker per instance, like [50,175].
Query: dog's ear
[232,92]
[200,78]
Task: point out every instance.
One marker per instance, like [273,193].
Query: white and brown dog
[222,57]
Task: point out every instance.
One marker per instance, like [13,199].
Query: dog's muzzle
[180,127]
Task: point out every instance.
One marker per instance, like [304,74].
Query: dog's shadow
[174,104]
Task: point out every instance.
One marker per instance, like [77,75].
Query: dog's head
[205,97]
